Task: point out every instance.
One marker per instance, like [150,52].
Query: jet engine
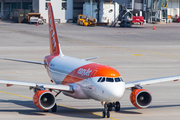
[140,98]
[44,99]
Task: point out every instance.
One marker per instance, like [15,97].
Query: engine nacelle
[140,98]
[44,99]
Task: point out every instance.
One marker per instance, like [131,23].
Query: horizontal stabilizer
[91,58]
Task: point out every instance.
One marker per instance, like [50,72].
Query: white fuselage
[69,71]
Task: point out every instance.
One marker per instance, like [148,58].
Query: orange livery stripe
[88,71]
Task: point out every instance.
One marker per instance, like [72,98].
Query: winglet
[53,38]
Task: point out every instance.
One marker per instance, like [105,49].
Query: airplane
[82,79]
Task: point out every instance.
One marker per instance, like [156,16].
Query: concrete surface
[137,53]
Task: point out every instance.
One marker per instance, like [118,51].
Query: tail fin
[53,38]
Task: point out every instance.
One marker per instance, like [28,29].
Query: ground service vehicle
[86,21]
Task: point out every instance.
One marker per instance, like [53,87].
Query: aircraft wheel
[106,111]
[103,114]
[54,109]
[108,114]
[110,105]
[117,106]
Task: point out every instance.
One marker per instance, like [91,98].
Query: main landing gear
[53,109]
[108,107]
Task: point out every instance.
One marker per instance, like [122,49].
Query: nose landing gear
[108,107]
[105,111]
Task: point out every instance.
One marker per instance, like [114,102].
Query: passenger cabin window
[109,80]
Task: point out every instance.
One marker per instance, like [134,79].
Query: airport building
[102,10]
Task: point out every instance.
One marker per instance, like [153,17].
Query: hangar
[66,10]
[102,10]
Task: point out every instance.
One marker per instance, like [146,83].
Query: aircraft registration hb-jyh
[81,79]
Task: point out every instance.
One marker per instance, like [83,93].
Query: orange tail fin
[53,38]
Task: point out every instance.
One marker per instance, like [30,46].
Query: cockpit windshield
[117,79]
[109,80]
[106,79]
[99,79]
[103,79]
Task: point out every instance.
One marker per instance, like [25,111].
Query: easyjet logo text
[84,72]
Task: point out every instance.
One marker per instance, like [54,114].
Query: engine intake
[140,98]
[44,99]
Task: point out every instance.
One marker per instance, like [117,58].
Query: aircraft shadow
[62,111]
[70,112]
[151,107]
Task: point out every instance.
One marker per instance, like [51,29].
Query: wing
[32,84]
[151,81]
[26,61]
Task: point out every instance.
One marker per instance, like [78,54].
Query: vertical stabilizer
[53,38]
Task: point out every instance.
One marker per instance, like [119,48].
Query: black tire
[108,114]
[117,106]
[110,105]
[103,114]
[54,109]
[46,110]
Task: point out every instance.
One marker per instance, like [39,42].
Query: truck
[34,18]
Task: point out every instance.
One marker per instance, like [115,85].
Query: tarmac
[137,53]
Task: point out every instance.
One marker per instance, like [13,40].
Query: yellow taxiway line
[57,104]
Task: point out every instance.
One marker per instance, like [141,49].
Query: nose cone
[116,91]
[112,91]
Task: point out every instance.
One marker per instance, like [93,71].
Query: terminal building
[102,10]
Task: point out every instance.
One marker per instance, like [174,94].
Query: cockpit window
[109,80]
[121,79]
[103,79]
[99,79]
[117,79]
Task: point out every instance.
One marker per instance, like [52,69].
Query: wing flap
[152,81]
[32,84]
